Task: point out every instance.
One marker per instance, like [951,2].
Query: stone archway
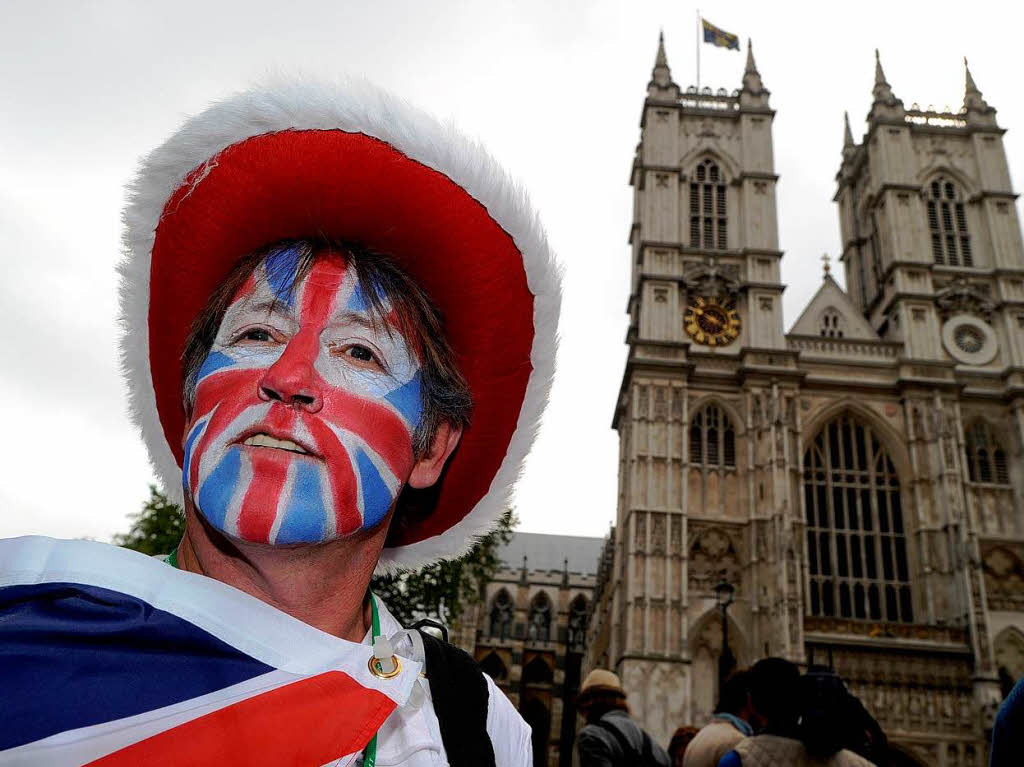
[705,650]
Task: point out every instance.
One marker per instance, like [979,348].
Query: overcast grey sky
[554,89]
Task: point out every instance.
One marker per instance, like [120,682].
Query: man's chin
[273,540]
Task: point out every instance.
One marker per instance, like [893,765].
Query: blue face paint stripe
[214,361]
[280,267]
[408,400]
[305,518]
[377,497]
[195,434]
[357,301]
[216,492]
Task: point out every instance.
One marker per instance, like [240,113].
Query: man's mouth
[265,440]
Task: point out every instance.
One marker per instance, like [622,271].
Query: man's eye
[257,335]
[360,353]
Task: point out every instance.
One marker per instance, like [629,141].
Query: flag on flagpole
[109,657]
[719,37]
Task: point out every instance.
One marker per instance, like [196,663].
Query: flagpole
[698,51]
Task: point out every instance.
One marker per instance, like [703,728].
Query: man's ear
[427,469]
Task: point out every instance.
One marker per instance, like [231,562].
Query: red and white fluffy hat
[357,164]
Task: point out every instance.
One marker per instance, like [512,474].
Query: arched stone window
[986,459]
[577,634]
[712,439]
[540,618]
[537,672]
[501,615]
[832,324]
[947,224]
[708,221]
[494,667]
[856,541]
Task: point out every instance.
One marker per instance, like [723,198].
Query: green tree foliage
[156,529]
[443,591]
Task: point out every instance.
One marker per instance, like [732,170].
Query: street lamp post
[724,593]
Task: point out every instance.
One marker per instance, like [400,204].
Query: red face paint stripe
[280,419]
[310,722]
[381,428]
[213,390]
[344,489]
[320,291]
[262,497]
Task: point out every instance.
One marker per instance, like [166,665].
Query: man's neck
[323,585]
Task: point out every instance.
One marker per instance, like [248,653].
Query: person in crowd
[681,740]
[829,704]
[611,738]
[802,724]
[1008,732]
[732,721]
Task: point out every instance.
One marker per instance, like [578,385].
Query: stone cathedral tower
[858,480]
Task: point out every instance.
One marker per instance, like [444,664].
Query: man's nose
[292,380]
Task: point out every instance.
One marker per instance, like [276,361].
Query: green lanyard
[370,754]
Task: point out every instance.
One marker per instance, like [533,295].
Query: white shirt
[411,736]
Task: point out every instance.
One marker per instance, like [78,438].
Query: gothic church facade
[857,479]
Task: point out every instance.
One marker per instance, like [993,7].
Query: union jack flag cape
[109,657]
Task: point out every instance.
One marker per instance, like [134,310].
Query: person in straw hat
[611,738]
[339,335]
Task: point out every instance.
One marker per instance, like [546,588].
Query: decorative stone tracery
[1004,579]
[714,555]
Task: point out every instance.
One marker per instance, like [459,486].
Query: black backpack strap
[628,749]
[459,693]
[648,749]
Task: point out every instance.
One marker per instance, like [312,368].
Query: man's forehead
[278,285]
[277,288]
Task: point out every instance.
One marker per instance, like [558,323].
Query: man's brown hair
[446,396]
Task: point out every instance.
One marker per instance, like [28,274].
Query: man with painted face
[339,336]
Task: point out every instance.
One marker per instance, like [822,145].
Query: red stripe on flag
[304,724]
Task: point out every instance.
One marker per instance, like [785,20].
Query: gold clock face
[712,322]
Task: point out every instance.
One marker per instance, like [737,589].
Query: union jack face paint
[305,408]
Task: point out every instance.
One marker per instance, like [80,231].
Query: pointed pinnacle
[661,60]
[751,66]
[973,100]
[847,133]
[970,86]
[879,73]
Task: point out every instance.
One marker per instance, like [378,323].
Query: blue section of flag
[408,400]
[376,495]
[281,267]
[214,361]
[73,656]
[719,37]
[215,494]
[306,517]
